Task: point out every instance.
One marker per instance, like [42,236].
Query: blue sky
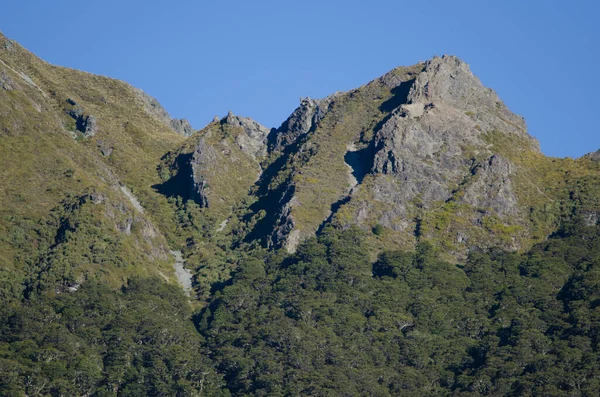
[257,58]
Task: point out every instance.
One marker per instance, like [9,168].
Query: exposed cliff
[424,152]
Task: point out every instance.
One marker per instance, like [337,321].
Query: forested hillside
[328,321]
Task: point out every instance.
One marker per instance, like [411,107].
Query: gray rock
[449,81]
[203,159]
[399,76]
[491,188]
[155,109]
[105,148]
[9,45]
[183,275]
[90,126]
[125,226]
[303,120]
[254,140]
[591,218]
[594,156]
[424,154]
[97,197]
[6,82]
[84,123]
[182,126]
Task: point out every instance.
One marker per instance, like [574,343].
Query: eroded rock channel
[183,275]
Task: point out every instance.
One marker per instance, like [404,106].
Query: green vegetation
[326,321]
[45,172]
[101,342]
[329,322]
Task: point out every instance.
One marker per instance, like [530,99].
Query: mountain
[422,153]
[407,237]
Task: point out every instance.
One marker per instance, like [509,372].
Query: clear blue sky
[257,58]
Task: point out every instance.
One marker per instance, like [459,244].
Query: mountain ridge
[424,152]
[443,87]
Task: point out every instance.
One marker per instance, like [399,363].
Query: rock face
[427,148]
[432,143]
[182,126]
[254,140]
[84,123]
[6,83]
[594,156]
[491,188]
[203,161]
[304,119]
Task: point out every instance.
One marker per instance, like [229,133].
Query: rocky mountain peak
[448,79]
[415,141]
[254,140]
[306,116]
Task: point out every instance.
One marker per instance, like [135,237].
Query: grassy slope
[43,168]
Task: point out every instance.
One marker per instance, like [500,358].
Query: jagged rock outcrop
[6,83]
[594,156]
[427,151]
[86,124]
[491,188]
[303,119]
[254,140]
[204,160]
[182,126]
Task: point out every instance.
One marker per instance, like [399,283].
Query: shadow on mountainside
[180,184]
[361,162]
[271,200]
[400,96]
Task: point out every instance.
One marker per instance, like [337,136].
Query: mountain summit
[424,152]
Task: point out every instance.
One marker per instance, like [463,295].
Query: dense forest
[326,321]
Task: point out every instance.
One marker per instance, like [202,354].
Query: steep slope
[77,152]
[423,153]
